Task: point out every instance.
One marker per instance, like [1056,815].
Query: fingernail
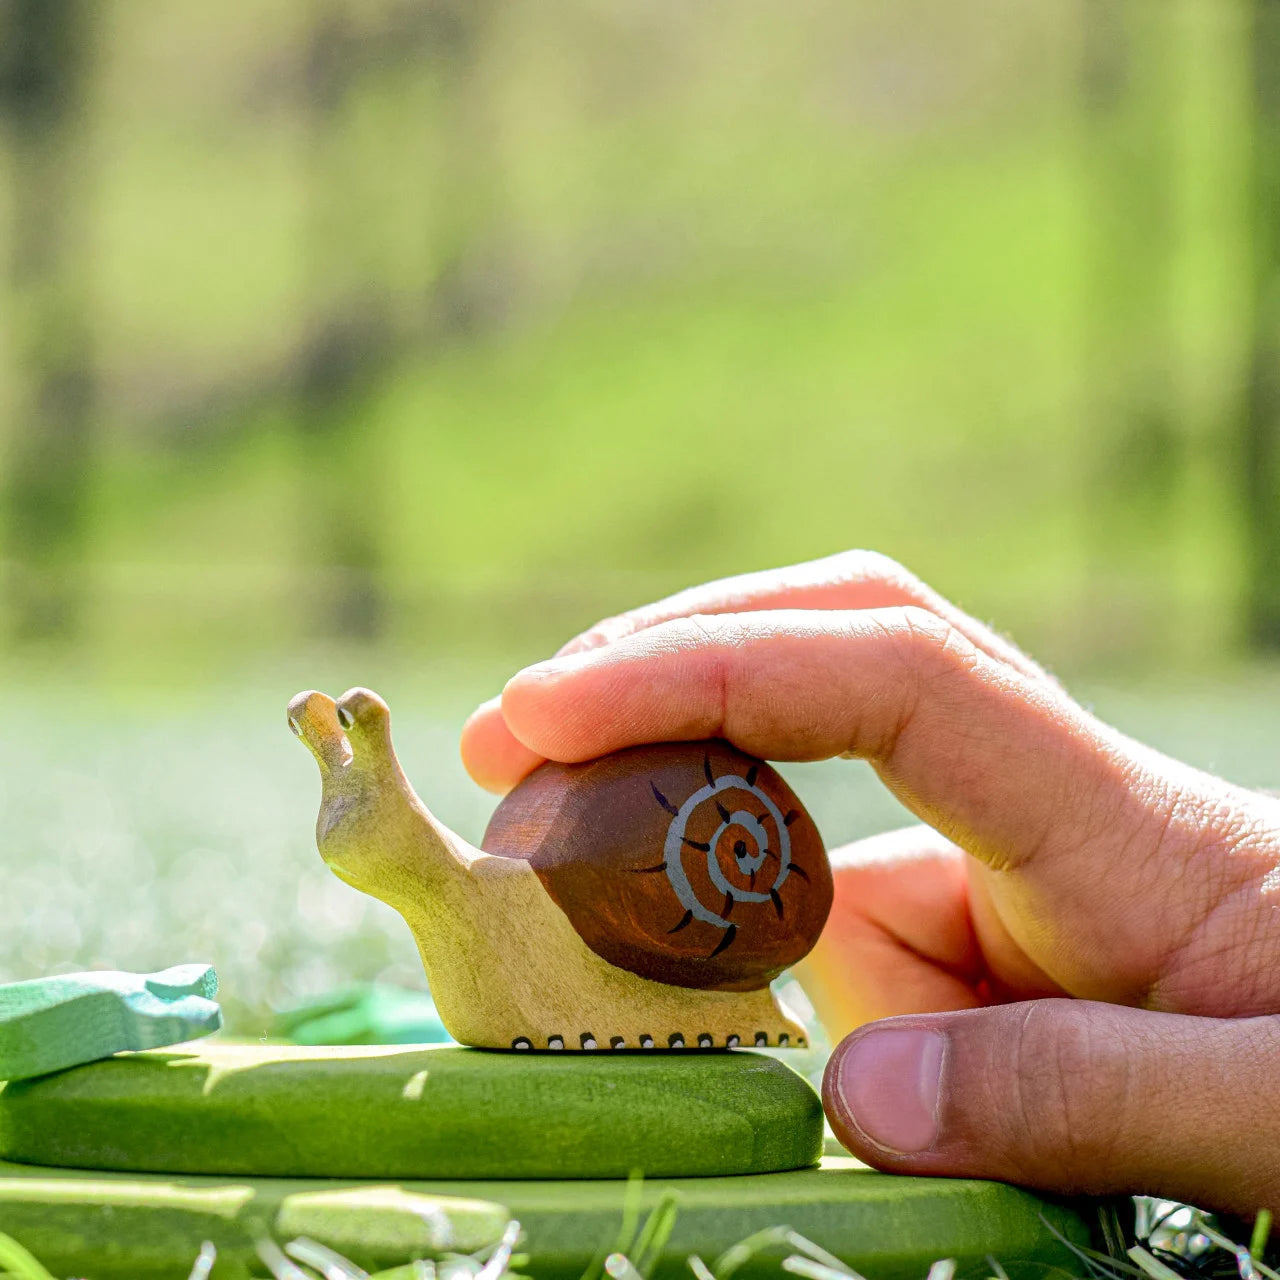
[889,1083]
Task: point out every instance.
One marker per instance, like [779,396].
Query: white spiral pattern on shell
[675,848]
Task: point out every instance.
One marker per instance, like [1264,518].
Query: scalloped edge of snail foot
[701,1043]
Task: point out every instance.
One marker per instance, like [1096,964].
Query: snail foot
[676,1040]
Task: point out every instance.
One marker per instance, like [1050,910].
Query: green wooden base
[130,1227]
[437,1112]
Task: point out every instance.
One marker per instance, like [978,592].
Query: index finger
[850,580]
[1009,768]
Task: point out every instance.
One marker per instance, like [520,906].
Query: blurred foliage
[388,341]
[458,323]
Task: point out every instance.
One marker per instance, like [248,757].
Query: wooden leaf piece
[393,1112]
[48,1024]
[687,863]
[150,1226]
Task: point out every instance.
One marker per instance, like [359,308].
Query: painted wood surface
[440,1112]
[687,863]
[151,1228]
[134,1227]
[48,1024]
[506,965]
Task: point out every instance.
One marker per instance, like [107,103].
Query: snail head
[364,792]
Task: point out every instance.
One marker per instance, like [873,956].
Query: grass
[1178,1243]
[152,824]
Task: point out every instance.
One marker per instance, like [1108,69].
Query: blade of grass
[283,1268]
[1241,1253]
[1156,1269]
[1113,1233]
[331,1265]
[1098,1264]
[618,1267]
[656,1231]
[498,1263]
[1261,1234]
[736,1255]
[203,1264]
[18,1262]
[699,1268]
[819,1254]
[632,1199]
[943,1269]
[800,1266]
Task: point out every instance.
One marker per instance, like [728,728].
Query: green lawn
[146,827]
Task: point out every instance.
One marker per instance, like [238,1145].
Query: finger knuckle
[932,646]
[1072,1085]
[718,630]
[604,632]
[863,565]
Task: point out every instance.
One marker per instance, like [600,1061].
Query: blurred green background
[391,341]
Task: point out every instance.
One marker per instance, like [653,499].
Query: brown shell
[688,863]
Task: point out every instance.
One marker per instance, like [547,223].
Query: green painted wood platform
[423,1112]
[131,1227]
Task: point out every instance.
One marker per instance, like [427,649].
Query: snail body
[644,900]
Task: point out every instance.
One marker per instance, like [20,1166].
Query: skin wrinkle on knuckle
[1226,967]
[1223,850]
[1072,1092]
[606,631]
[895,637]
[933,660]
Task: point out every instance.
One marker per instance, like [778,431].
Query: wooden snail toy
[644,900]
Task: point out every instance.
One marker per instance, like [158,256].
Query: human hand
[1064,859]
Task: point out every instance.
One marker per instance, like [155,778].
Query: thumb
[1068,1096]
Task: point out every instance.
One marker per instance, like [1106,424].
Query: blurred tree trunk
[45,46]
[345,343]
[1127,94]
[465,299]
[1260,452]
[353,333]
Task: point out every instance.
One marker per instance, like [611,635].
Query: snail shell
[688,863]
